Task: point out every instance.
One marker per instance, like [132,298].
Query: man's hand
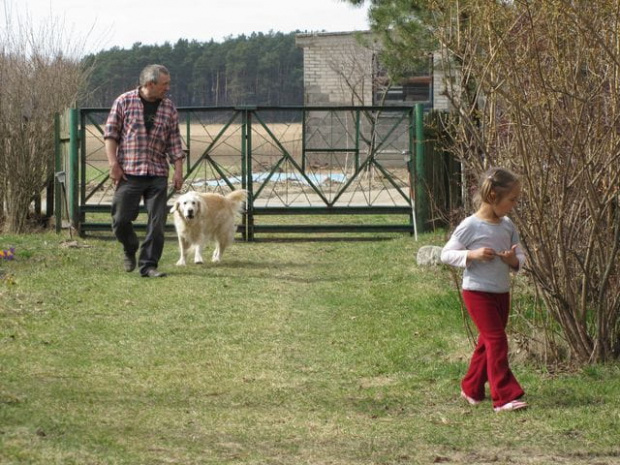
[178,180]
[117,173]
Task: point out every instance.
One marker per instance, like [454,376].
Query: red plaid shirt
[140,153]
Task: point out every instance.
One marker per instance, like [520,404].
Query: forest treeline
[258,69]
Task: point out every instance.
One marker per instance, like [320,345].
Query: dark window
[416,88]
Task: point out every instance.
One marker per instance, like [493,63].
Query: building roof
[327,34]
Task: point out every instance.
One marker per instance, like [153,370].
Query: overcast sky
[103,24]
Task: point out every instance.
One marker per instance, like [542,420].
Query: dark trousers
[489,362]
[125,209]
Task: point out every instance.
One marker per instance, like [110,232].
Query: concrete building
[342,68]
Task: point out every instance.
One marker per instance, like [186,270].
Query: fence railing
[312,162]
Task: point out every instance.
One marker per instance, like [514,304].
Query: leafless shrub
[40,76]
[537,89]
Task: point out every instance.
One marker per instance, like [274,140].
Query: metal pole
[246,171]
[72,191]
[409,160]
[57,167]
[421,190]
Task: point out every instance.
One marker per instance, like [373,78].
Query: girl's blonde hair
[498,181]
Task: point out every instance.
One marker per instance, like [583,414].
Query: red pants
[489,362]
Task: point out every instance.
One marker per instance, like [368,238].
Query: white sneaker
[514,405]
[471,400]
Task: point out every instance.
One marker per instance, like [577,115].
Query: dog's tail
[238,197]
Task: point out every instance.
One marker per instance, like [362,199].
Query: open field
[224,142]
[286,180]
[340,352]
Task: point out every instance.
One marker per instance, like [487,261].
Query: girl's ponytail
[495,184]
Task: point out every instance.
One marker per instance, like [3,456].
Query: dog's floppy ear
[175,207]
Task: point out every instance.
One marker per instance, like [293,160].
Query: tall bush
[536,87]
[41,75]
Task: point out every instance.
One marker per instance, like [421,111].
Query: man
[141,137]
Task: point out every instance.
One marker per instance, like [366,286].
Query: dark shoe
[129,262]
[153,273]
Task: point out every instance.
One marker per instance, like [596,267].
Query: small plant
[7,254]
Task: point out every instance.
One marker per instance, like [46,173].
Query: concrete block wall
[440,100]
[337,69]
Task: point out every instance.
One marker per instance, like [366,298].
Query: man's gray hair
[151,73]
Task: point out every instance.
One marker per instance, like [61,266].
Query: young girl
[486,244]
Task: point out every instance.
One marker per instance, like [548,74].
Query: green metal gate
[308,163]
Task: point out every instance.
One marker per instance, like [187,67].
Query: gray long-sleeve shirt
[473,233]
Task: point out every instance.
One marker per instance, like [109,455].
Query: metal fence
[300,166]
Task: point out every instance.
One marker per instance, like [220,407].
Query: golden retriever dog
[200,218]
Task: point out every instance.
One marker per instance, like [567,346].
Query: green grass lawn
[287,352]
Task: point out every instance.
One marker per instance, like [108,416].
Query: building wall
[338,70]
[440,99]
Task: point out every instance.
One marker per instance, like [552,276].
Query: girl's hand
[509,257]
[483,254]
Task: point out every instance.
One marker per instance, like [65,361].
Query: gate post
[421,186]
[66,171]
[72,191]
[246,171]
[57,169]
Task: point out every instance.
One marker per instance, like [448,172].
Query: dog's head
[188,205]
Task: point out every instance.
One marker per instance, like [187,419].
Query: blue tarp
[316,179]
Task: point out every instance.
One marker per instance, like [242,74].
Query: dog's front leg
[217,253]
[198,253]
[183,250]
